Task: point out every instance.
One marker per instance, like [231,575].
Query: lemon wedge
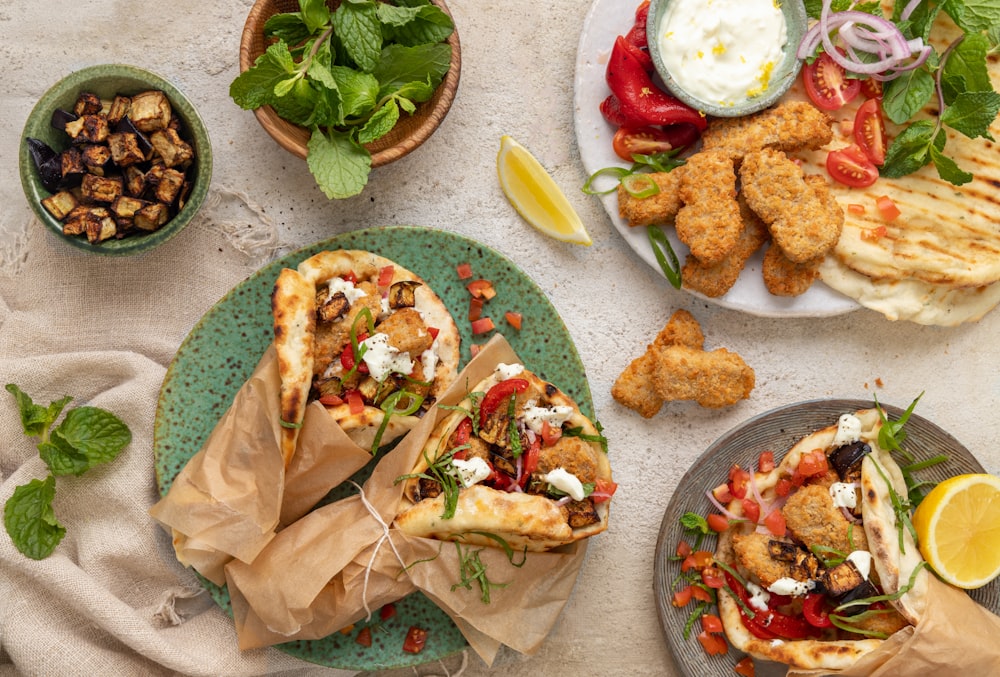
[958,529]
[535,196]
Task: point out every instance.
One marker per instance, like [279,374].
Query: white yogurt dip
[722,51]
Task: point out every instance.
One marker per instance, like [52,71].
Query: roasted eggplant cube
[169,187]
[124,148]
[94,222]
[135,181]
[88,103]
[101,189]
[171,147]
[89,129]
[151,217]
[841,579]
[150,111]
[401,294]
[95,157]
[60,204]
[119,109]
[72,165]
[125,206]
[102,227]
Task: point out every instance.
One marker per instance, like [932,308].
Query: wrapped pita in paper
[231,497]
[343,561]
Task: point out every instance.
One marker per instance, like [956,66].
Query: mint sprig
[86,437]
[348,76]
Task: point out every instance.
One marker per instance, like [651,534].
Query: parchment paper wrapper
[231,497]
[956,636]
[343,561]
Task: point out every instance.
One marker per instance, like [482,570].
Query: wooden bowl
[409,132]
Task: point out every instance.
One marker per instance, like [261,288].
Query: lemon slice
[958,528]
[535,196]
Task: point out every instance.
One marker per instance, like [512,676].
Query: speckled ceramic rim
[225,345]
[777,430]
[782,77]
[106,80]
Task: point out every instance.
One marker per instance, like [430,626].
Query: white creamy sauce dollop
[791,587]
[848,430]
[471,471]
[844,495]
[566,482]
[383,359]
[722,51]
[862,561]
[506,371]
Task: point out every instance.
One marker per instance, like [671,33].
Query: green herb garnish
[347,75]
[86,437]
[577,431]
[665,255]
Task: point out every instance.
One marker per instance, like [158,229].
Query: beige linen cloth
[112,599]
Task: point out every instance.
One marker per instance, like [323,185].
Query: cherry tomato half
[851,167]
[629,141]
[869,131]
[415,640]
[827,84]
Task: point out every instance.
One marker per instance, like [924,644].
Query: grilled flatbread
[815,525]
[536,490]
[337,299]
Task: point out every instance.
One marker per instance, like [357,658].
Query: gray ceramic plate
[776,430]
[226,344]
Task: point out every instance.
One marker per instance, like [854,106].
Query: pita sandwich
[805,599]
[516,461]
[367,338]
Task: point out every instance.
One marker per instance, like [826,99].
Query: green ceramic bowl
[782,76]
[105,81]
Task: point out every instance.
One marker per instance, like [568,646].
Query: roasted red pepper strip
[639,101]
[499,393]
[814,610]
[768,624]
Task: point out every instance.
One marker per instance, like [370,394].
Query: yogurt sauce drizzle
[722,51]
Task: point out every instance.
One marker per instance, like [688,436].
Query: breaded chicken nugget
[709,222]
[712,379]
[714,281]
[802,217]
[787,278]
[634,387]
[656,209]
[790,126]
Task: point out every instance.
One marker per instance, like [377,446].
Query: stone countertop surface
[518,64]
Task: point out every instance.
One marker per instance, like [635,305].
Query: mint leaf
[415,25]
[359,90]
[61,458]
[948,169]
[36,419]
[972,113]
[909,151]
[965,70]
[289,27]
[905,96]
[299,104]
[30,520]
[973,16]
[96,433]
[401,65]
[381,123]
[315,14]
[360,32]
[339,165]
[255,86]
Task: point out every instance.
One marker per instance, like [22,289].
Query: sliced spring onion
[618,172]
[665,255]
[640,185]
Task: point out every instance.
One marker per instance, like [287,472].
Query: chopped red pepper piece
[475,309]
[514,319]
[482,325]
[481,289]
[464,271]
[415,640]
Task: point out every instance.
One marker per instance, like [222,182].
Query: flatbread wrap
[367,338]
[516,461]
[844,576]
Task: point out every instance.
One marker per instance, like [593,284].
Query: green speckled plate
[226,344]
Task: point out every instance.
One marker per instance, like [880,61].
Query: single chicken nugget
[801,218]
[634,387]
[709,222]
[791,126]
[657,209]
[714,281]
[713,379]
[681,330]
[783,277]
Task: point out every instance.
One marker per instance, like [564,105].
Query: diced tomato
[354,401]
[717,522]
[813,463]
[783,487]
[347,360]
[629,141]
[765,462]
[683,549]
[388,610]
[703,558]
[415,640]
[603,490]
[530,463]
[481,289]
[385,275]
[745,667]
[482,325]
[851,167]
[887,208]
[815,612]
[739,480]
[712,577]
[474,349]
[350,276]
[827,84]
[433,331]
[713,644]
[364,637]
[550,434]
[711,623]
[751,509]
[722,493]
[775,523]
[873,234]
[330,400]
[869,130]
[682,597]
[464,271]
[475,308]
[514,319]
[701,593]
[856,209]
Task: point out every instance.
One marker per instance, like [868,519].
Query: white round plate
[605,21]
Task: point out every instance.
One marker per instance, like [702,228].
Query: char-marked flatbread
[830,649]
[526,500]
[335,299]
